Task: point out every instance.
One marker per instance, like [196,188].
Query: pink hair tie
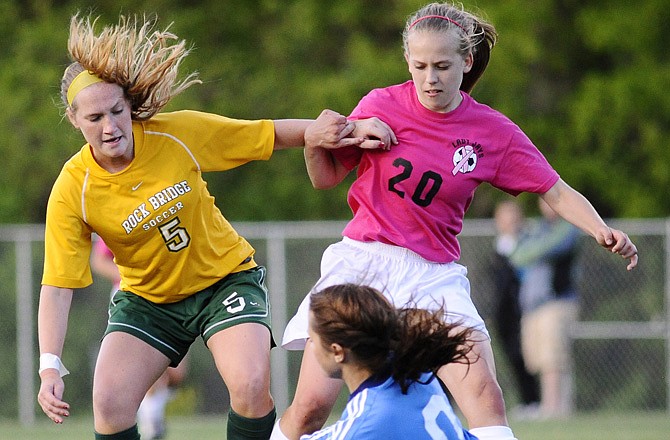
[442,17]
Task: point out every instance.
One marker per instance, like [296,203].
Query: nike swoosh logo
[134,188]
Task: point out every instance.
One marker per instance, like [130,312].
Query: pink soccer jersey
[416,194]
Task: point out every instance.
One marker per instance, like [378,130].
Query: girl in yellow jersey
[185,272]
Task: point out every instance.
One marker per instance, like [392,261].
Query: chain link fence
[620,349]
[621,343]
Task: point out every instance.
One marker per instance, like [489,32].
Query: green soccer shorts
[238,298]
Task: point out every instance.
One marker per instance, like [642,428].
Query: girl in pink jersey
[184,271]
[408,206]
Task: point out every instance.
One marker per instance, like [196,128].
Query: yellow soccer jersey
[157,217]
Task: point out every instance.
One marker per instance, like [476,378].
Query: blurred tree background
[587,80]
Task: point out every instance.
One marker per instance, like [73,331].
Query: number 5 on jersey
[176,238]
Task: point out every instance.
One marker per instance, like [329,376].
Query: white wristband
[49,360]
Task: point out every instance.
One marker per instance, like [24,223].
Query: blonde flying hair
[476,34]
[143,61]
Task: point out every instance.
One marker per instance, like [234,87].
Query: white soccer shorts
[403,276]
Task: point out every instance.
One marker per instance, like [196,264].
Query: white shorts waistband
[387,250]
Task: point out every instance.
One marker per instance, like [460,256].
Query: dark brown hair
[409,341]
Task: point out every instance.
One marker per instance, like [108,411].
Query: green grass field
[611,426]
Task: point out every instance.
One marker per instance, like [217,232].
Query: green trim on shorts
[238,298]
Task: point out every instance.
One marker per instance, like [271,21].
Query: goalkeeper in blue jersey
[388,359]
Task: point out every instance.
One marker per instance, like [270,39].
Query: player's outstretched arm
[53,311]
[332,130]
[575,208]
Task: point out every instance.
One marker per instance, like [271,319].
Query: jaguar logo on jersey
[466,155]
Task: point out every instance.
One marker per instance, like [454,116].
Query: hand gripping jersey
[379,411]
[157,217]
[416,195]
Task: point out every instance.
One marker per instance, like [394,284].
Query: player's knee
[247,389]
[478,383]
[311,411]
[250,398]
[113,410]
[304,419]
[483,385]
[491,390]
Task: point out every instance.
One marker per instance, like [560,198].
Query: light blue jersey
[380,411]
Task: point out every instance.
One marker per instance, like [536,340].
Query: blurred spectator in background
[509,221]
[151,415]
[545,258]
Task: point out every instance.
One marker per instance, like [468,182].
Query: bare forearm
[575,208]
[290,132]
[52,318]
[323,169]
